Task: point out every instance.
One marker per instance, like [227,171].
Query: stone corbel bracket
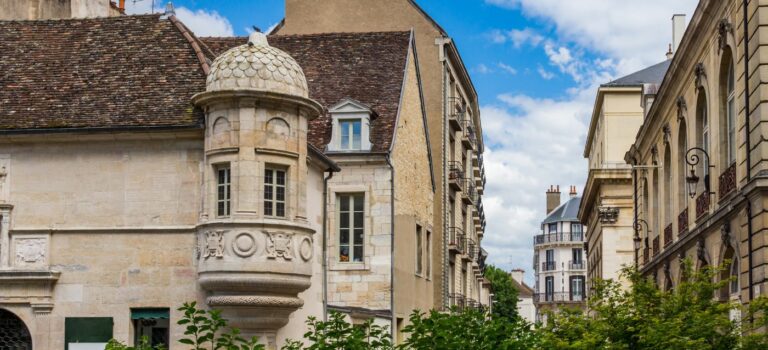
[32,287]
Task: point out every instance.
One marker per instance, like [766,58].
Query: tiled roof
[367,67]
[568,211]
[651,75]
[116,72]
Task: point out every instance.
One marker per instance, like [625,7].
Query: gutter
[392,246]
[325,242]
[747,145]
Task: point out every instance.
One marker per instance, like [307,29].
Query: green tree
[504,293]
[337,333]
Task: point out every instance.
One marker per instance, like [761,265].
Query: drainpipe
[325,244]
[634,223]
[392,245]
[745,24]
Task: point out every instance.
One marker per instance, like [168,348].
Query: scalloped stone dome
[257,66]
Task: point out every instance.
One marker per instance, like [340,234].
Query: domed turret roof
[257,66]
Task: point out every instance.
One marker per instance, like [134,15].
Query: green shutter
[87,330]
[150,314]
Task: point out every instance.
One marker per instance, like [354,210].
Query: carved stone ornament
[723,29]
[700,73]
[280,244]
[244,245]
[667,133]
[667,271]
[305,249]
[213,245]
[608,215]
[725,233]
[30,251]
[681,257]
[701,251]
[682,107]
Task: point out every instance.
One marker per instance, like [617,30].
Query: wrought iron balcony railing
[682,223]
[577,265]
[456,239]
[558,237]
[559,297]
[702,205]
[548,265]
[728,181]
[456,112]
[456,175]
[656,248]
[457,300]
[668,235]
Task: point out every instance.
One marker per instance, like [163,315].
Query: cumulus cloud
[201,22]
[532,143]
[518,37]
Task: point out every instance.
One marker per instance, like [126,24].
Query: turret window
[274,192]
[223,190]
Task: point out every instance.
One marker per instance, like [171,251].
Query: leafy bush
[205,331]
[337,333]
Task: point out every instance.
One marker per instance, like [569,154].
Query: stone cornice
[596,178]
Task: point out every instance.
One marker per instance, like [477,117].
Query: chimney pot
[553,198]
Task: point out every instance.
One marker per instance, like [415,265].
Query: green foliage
[337,333]
[143,345]
[205,331]
[504,293]
[644,317]
[470,329]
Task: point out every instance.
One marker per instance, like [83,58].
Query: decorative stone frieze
[608,215]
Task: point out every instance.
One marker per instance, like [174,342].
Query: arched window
[734,285]
[682,148]
[702,140]
[656,210]
[728,109]
[731,274]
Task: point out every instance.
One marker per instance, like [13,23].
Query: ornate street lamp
[637,240]
[692,158]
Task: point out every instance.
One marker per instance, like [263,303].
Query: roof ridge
[331,34]
[194,42]
[81,19]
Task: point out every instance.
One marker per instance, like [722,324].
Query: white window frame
[350,110]
[429,254]
[226,188]
[353,225]
[349,125]
[272,203]
[419,250]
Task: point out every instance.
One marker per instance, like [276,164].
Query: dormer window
[351,134]
[351,126]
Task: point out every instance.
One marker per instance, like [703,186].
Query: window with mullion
[351,134]
[351,227]
[223,190]
[274,192]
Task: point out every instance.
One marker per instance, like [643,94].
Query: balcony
[682,223]
[456,240]
[656,249]
[471,249]
[470,138]
[456,175]
[559,297]
[577,265]
[457,300]
[470,194]
[548,266]
[646,255]
[668,235]
[728,181]
[456,112]
[576,237]
[702,205]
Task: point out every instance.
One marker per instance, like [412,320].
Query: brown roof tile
[367,67]
[117,72]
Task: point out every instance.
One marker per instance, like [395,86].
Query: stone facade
[702,103]
[53,9]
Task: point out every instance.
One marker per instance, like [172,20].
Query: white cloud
[201,22]
[545,74]
[532,143]
[507,68]
[482,69]
[518,37]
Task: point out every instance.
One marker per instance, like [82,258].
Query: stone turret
[255,242]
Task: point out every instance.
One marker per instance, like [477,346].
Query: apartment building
[703,191]
[455,134]
[559,260]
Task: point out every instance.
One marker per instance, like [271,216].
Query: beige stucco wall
[53,9]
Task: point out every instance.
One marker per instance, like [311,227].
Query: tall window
[351,227]
[429,254]
[682,148]
[734,285]
[274,192]
[702,134]
[577,255]
[549,288]
[223,190]
[351,134]
[577,288]
[576,232]
[731,121]
[552,228]
[419,251]
[667,185]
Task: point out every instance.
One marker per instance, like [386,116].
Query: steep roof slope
[568,211]
[99,73]
[650,75]
[366,67]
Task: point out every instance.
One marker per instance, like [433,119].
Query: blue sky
[536,65]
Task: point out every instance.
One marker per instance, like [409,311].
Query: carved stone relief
[30,251]
[305,249]
[723,29]
[5,170]
[280,244]
[244,245]
[213,245]
[608,215]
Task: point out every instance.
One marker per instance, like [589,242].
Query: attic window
[351,126]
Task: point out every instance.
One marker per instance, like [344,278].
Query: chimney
[517,275]
[122,5]
[573,192]
[678,29]
[553,198]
